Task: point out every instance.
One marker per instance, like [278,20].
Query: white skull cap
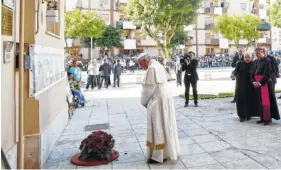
[141,55]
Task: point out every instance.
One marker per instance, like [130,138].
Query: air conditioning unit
[101,5]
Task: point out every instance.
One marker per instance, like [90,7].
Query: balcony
[126,25]
[212,41]
[209,25]
[123,1]
[264,41]
[215,10]
[130,44]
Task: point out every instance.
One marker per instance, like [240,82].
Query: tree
[80,24]
[111,37]
[238,27]
[161,19]
[275,13]
[179,38]
[249,28]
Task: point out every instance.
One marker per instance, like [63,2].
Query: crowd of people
[215,60]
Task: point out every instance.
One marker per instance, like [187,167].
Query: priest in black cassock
[261,79]
[246,96]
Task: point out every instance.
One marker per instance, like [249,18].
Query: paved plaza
[211,136]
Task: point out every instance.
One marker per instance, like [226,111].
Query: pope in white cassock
[162,133]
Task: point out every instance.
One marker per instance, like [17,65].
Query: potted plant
[96,149]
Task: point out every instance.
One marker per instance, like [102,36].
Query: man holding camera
[189,65]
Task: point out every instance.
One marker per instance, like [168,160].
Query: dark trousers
[92,81]
[194,89]
[179,77]
[234,99]
[117,78]
[106,81]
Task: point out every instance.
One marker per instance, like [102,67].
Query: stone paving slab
[211,137]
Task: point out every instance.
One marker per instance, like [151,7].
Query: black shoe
[279,97]
[242,119]
[233,101]
[267,122]
[186,105]
[248,118]
[196,105]
[260,121]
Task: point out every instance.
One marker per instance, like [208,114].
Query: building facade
[204,40]
[44,80]
[132,40]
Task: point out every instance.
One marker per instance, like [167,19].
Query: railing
[215,10]
[209,25]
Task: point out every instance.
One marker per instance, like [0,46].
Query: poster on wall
[47,67]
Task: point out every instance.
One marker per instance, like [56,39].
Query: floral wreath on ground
[97,146]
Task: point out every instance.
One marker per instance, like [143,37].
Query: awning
[264,26]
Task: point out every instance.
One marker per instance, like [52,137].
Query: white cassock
[162,133]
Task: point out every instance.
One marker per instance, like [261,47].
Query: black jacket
[105,68]
[275,70]
[191,70]
[236,59]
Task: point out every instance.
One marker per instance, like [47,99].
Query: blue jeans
[79,94]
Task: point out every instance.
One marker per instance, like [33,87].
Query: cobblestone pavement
[211,136]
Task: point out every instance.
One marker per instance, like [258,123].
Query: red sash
[265,99]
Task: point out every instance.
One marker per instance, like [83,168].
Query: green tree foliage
[238,27]
[162,17]
[179,38]
[111,37]
[80,24]
[275,13]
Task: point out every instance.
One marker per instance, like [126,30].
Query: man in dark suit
[117,69]
[105,74]
[189,65]
[274,67]
[237,57]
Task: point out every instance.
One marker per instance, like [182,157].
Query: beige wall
[8,99]
[8,114]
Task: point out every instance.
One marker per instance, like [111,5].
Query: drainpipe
[21,88]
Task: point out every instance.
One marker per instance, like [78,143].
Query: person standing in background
[93,74]
[105,74]
[178,71]
[117,69]
[75,71]
[274,67]
[237,57]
